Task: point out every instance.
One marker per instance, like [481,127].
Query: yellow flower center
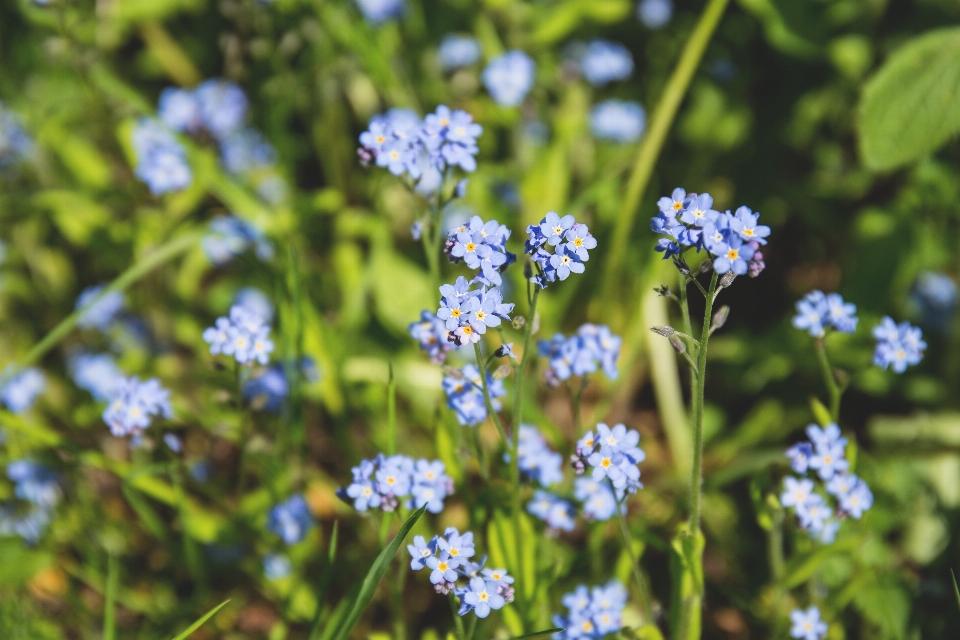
[471,247]
[454,552]
[483,596]
[578,242]
[733,254]
[605,463]
[748,232]
[677,206]
[442,566]
[455,313]
[380,139]
[481,315]
[467,330]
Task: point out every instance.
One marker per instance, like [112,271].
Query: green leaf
[800,570]
[325,581]
[196,625]
[909,107]
[374,575]
[537,634]
[956,590]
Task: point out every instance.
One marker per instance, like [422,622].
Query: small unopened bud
[681,266]
[527,271]
[502,372]
[663,291]
[518,322]
[665,331]
[720,318]
[677,344]
[727,279]
[706,266]
[453,373]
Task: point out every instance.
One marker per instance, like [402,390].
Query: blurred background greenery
[770,120]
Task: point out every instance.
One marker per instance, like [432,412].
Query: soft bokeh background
[769,121]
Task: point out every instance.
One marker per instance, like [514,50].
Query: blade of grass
[110,606]
[392,413]
[196,625]
[374,575]
[537,634]
[325,581]
[956,591]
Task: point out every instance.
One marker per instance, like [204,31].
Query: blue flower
[935,296]
[744,224]
[98,313]
[898,346]
[179,110]
[161,160]
[814,513]
[655,14]
[456,52]
[500,577]
[579,241]
[482,597]
[267,389]
[554,228]
[829,460]
[420,551]
[15,144]
[509,77]
[276,566]
[173,442]
[796,492]
[618,121]
[381,481]
[394,476]
[592,613]
[800,455]
[431,335]
[699,210]
[537,461]
[291,519]
[362,490]
[230,236]
[807,624]
[97,373]
[598,500]
[591,348]
[223,107]
[457,545]
[443,565]
[841,315]
[35,483]
[606,61]
[817,312]
[133,405]
[242,335]
[246,150]
[379,11]
[20,391]
[557,513]
[857,500]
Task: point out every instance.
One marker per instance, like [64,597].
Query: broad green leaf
[374,575]
[196,625]
[909,108]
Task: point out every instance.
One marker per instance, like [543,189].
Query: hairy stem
[696,481]
[486,395]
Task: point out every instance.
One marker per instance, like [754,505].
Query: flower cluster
[688,220]
[267,389]
[456,52]
[593,347]
[464,390]
[571,240]
[242,335]
[556,512]
[598,501]
[230,236]
[161,160]
[290,519]
[467,312]
[215,107]
[618,121]
[133,404]
[97,373]
[98,312]
[613,455]
[655,14]
[824,453]
[15,144]
[432,336]
[538,462]
[604,61]
[39,489]
[818,312]
[379,11]
[245,151]
[20,391]
[422,150]
[448,558]
[935,297]
[276,566]
[382,481]
[898,345]
[592,613]
[482,246]
[806,625]
[509,77]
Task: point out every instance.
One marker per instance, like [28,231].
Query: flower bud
[527,271]
[681,266]
[727,279]
[719,318]
[677,344]
[665,331]
[706,266]
[518,322]
[663,291]
[502,372]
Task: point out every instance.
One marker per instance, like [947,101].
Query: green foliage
[199,623]
[909,107]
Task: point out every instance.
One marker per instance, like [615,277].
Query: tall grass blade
[537,634]
[196,625]
[325,581]
[956,591]
[374,575]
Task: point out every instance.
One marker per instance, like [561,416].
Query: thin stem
[696,483]
[471,627]
[777,561]
[391,414]
[136,271]
[646,609]
[660,123]
[481,459]
[486,394]
[457,622]
[576,396]
[833,389]
[110,606]
[396,588]
[696,282]
[685,306]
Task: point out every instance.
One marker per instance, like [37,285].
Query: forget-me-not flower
[509,77]
[19,392]
[290,519]
[618,121]
[806,625]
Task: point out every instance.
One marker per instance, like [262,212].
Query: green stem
[110,606]
[660,123]
[138,270]
[521,374]
[646,609]
[685,310]
[696,482]
[833,389]
[391,414]
[457,622]
[777,561]
[471,627]
[486,394]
